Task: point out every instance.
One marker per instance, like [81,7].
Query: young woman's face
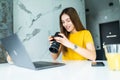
[67,23]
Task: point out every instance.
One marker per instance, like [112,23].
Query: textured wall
[6,21]
[35,20]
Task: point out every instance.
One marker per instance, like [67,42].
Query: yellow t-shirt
[80,38]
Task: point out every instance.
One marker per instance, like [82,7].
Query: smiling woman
[76,42]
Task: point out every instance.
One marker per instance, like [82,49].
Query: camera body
[55,45]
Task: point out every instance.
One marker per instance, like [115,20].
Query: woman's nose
[66,23]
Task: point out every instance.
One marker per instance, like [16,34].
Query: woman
[76,42]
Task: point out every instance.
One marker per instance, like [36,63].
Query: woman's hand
[63,40]
[50,38]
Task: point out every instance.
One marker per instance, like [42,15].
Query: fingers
[63,36]
[50,38]
[58,39]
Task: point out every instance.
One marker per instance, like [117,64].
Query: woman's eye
[68,20]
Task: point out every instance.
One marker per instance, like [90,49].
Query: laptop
[20,56]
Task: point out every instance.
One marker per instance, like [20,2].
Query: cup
[112,52]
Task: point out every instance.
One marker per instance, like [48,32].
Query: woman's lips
[67,27]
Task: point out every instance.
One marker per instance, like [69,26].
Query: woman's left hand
[63,40]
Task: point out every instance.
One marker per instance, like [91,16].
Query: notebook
[20,56]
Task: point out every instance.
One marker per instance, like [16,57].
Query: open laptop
[20,56]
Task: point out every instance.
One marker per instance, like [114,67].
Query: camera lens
[55,45]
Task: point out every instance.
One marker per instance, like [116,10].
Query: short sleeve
[88,37]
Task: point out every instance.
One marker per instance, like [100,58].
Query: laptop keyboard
[43,64]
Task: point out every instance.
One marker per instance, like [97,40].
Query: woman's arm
[88,52]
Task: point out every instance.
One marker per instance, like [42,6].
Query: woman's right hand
[50,38]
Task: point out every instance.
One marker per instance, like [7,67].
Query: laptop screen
[19,54]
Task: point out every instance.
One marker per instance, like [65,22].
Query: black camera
[55,45]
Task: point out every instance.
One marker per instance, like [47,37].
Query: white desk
[73,70]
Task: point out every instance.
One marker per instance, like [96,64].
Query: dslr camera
[55,45]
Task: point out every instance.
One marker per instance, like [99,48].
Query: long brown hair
[72,13]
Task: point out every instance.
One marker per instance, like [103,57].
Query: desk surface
[73,70]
